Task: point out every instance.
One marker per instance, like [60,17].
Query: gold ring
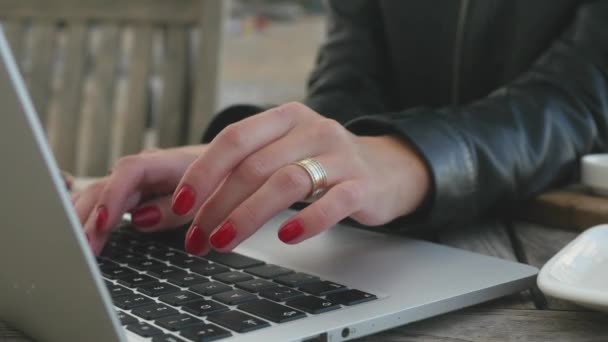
[317,175]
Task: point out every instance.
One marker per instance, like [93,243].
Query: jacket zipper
[457,60]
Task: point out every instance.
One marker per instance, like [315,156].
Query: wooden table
[525,316]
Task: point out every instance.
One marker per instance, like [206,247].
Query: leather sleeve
[519,140]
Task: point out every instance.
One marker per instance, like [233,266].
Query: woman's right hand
[142,184]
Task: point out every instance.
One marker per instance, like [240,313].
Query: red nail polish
[102,219]
[223,236]
[195,241]
[146,216]
[183,201]
[291,231]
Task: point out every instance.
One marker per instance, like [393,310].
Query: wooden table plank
[538,245]
[487,325]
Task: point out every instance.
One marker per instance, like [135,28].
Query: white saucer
[579,272]
[594,173]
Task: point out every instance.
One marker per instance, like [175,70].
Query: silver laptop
[343,284]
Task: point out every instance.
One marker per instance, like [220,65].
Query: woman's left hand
[246,176]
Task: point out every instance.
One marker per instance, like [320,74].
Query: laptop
[343,284]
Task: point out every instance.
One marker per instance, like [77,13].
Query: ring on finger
[318,176]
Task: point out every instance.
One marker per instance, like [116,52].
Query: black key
[117,290]
[106,263]
[350,297]
[210,288]
[271,311]
[313,305]
[185,261]
[166,338]
[157,289]
[177,322]
[234,297]
[165,255]
[144,329]
[280,294]
[115,273]
[131,301]
[205,333]
[204,307]
[187,279]
[125,318]
[180,298]
[135,280]
[233,260]
[296,279]
[164,271]
[255,285]
[209,269]
[268,271]
[146,264]
[237,321]
[232,277]
[125,258]
[322,288]
[154,311]
[149,248]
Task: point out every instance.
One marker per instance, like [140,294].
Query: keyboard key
[180,298]
[157,289]
[203,307]
[268,271]
[234,297]
[177,322]
[313,305]
[115,273]
[149,248]
[185,261]
[205,333]
[125,258]
[165,271]
[233,260]
[117,290]
[210,288]
[186,280]
[165,255]
[209,269]
[135,280]
[350,297]
[166,338]
[154,311]
[145,264]
[280,294]
[144,329]
[131,301]
[125,318]
[295,279]
[322,288]
[237,321]
[232,277]
[255,285]
[106,263]
[271,311]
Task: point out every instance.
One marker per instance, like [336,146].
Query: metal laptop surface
[51,288]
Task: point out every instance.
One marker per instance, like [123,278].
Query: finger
[85,201]
[338,203]
[156,215]
[228,149]
[285,187]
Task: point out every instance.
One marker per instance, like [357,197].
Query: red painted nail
[146,216]
[223,236]
[102,219]
[183,201]
[195,241]
[291,231]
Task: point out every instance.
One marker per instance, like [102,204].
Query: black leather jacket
[500,97]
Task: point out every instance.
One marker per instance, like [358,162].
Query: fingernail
[291,231]
[195,241]
[146,216]
[183,200]
[223,236]
[102,219]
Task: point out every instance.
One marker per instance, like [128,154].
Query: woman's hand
[245,177]
[141,184]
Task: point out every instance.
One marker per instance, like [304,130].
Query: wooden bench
[109,78]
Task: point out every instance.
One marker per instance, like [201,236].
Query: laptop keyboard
[167,295]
